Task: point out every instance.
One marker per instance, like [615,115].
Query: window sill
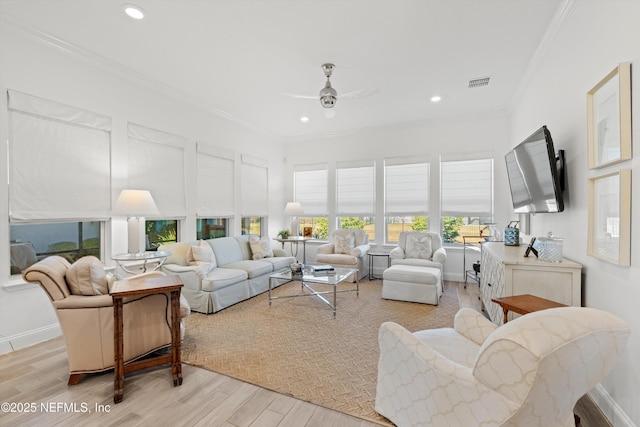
[17,283]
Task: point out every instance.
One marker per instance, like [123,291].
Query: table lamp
[136,204]
[294,209]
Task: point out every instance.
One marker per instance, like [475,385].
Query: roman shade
[156,163]
[356,188]
[467,187]
[215,181]
[59,161]
[406,186]
[254,186]
[310,188]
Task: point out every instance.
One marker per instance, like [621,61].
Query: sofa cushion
[87,277]
[344,244]
[226,250]
[253,268]
[201,254]
[222,277]
[280,263]
[337,259]
[260,247]
[178,252]
[418,247]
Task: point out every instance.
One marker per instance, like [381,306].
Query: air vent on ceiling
[484,81]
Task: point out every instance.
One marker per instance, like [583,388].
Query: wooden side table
[524,304]
[142,287]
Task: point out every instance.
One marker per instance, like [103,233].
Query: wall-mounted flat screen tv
[536,174]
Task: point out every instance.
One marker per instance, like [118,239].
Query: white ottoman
[412,283]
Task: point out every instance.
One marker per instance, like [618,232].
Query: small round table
[156,257]
[371,257]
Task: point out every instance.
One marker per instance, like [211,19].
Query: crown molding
[122,71]
[562,14]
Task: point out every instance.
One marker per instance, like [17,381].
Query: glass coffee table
[306,279]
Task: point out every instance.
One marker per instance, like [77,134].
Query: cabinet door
[491,285]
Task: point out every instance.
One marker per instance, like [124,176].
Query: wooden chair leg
[75,379]
[576,419]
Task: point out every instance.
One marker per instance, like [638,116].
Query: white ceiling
[236,55]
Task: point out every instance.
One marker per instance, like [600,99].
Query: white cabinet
[505,271]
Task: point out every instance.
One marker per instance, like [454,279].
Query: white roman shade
[215,175]
[254,186]
[156,163]
[310,188]
[356,188]
[406,183]
[59,161]
[467,187]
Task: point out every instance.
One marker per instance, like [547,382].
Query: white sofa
[236,276]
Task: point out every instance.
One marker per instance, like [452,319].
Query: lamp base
[136,230]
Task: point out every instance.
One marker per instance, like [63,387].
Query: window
[466,197]
[71,240]
[59,179]
[356,195]
[215,175]
[310,190]
[160,231]
[406,196]
[251,225]
[212,228]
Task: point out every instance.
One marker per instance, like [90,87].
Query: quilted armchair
[420,249]
[346,249]
[529,372]
[80,298]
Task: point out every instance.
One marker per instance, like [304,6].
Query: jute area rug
[295,347]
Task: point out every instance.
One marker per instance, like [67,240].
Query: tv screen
[534,176]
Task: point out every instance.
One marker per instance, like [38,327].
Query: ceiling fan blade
[294,95]
[362,93]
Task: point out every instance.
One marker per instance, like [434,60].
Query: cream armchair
[79,294]
[529,372]
[420,249]
[346,249]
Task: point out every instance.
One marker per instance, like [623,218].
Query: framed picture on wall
[610,217]
[609,118]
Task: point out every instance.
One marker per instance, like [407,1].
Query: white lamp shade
[135,203]
[293,209]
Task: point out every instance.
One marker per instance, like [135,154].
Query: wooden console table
[142,287]
[524,304]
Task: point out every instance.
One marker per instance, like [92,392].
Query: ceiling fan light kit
[328,95]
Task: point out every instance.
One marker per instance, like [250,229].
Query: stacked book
[323,270]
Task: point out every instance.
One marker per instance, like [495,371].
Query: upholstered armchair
[418,248]
[346,249]
[79,293]
[529,372]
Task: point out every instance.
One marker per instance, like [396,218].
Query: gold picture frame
[609,118]
[610,217]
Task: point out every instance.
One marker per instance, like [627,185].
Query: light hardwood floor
[35,379]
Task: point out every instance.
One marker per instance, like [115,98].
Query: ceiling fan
[328,96]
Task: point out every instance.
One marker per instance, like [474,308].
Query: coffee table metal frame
[341,274]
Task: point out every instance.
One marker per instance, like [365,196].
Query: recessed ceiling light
[304,119]
[436,98]
[133,11]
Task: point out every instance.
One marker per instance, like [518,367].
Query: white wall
[72,77]
[433,139]
[595,37]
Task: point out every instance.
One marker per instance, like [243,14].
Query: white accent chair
[346,249]
[529,372]
[421,249]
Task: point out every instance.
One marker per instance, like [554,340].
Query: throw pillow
[344,244]
[418,247]
[201,254]
[87,277]
[260,247]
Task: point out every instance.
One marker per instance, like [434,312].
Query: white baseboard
[609,407]
[25,339]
